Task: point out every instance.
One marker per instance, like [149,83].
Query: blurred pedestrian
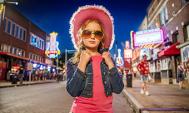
[180,75]
[21,75]
[143,68]
[92,76]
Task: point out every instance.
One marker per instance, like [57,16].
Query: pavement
[162,98]
[5,84]
[46,98]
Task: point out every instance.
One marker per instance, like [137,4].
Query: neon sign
[52,50]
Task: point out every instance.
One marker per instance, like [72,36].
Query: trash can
[14,79]
[129,80]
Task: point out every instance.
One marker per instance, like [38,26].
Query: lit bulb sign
[52,50]
[119,59]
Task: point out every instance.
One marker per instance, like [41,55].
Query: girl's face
[92,35]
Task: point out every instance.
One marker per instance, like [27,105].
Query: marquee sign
[52,50]
[152,36]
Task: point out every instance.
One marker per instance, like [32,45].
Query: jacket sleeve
[116,80]
[75,80]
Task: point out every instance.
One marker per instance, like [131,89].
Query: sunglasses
[87,34]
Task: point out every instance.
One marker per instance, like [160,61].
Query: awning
[151,46]
[171,51]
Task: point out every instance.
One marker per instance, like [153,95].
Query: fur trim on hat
[71,30]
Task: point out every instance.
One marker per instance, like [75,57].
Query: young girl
[91,73]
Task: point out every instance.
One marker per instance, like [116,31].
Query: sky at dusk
[54,15]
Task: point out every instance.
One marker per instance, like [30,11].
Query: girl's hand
[84,59]
[108,59]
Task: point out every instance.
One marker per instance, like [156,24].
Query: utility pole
[66,52]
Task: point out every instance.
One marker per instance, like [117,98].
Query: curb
[135,105]
[26,84]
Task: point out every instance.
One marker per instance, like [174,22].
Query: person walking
[180,75]
[92,76]
[143,68]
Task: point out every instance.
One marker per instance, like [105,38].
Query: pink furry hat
[92,12]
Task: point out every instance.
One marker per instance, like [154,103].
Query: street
[46,98]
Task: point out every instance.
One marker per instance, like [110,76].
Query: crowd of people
[21,74]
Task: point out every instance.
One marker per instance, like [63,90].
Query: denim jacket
[81,84]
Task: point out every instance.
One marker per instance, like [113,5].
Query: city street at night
[46,98]
[94,56]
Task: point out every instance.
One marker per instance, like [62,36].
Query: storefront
[184,49]
[168,64]
[155,66]
[10,63]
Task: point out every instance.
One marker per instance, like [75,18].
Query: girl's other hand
[108,59]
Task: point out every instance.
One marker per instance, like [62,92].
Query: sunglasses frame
[92,32]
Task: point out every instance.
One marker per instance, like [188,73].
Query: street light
[8,2]
[67,51]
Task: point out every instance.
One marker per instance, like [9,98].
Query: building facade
[22,43]
[172,16]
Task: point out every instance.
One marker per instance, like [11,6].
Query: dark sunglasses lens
[86,34]
[98,34]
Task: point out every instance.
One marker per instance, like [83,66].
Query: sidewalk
[162,99]
[4,84]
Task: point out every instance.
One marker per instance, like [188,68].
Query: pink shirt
[99,103]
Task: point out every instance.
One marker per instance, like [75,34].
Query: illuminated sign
[128,53]
[127,45]
[52,50]
[153,36]
[119,59]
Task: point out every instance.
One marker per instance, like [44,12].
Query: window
[24,35]
[164,16]
[14,50]
[36,41]
[5,48]
[17,31]
[184,2]
[9,27]
[175,36]
[5,24]
[186,32]
[21,34]
[13,29]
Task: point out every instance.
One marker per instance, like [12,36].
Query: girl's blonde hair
[75,59]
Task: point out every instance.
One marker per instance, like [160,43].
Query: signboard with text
[152,36]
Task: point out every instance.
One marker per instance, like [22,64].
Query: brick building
[172,16]
[21,41]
